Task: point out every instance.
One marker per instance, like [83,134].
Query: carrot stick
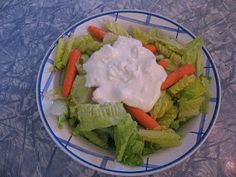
[175,76]
[96,32]
[164,63]
[70,72]
[151,47]
[142,118]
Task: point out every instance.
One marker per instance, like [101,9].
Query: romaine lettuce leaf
[99,139]
[206,82]
[133,153]
[95,116]
[181,84]
[79,92]
[113,27]
[192,54]
[162,105]
[80,69]
[189,108]
[59,53]
[176,59]
[150,148]
[86,43]
[164,138]
[141,35]
[194,90]
[128,147]
[168,117]
[68,48]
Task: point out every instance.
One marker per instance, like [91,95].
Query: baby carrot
[142,118]
[164,63]
[96,32]
[151,47]
[70,72]
[172,78]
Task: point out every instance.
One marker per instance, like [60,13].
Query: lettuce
[79,92]
[164,138]
[174,58]
[140,35]
[150,148]
[168,117]
[168,42]
[206,82]
[84,57]
[189,108]
[133,153]
[192,54]
[155,35]
[95,116]
[163,104]
[80,69]
[59,54]
[68,48]
[181,84]
[194,90]
[109,38]
[86,43]
[113,27]
[99,139]
[175,124]
[128,147]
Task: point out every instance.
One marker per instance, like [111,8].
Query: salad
[129,91]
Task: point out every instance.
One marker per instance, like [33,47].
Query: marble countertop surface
[28,28]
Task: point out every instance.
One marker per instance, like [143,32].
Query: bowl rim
[116,172]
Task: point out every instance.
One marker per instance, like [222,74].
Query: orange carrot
[172,78]
[96,32]
[70,72]
[164,63]
[142,118]
[151,47]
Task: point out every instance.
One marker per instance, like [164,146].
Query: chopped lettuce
[206,81]
[128,147]
[68,48]
[189,108]
[99,139]
[113,27]
[86,43]
[84,57]
[133,152]
[175,125]
[142,36]
[164,138]
[192,54]
[109,38]
[80,69]
[59,53]
[181,84]
[79,92]
[150,148]
[95,116]
[162,105]
[168,117]
[155,35]
[194,90]
[62,118]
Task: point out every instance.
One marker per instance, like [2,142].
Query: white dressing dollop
[125,72]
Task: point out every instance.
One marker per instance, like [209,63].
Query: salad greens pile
[110,126]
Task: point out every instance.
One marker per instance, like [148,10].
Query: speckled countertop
[27,29]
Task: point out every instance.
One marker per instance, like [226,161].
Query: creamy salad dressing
[125,72]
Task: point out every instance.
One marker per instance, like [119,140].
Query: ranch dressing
[125,72]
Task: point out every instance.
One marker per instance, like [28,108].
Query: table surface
[28,28]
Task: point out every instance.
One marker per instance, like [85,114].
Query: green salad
[130,132]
